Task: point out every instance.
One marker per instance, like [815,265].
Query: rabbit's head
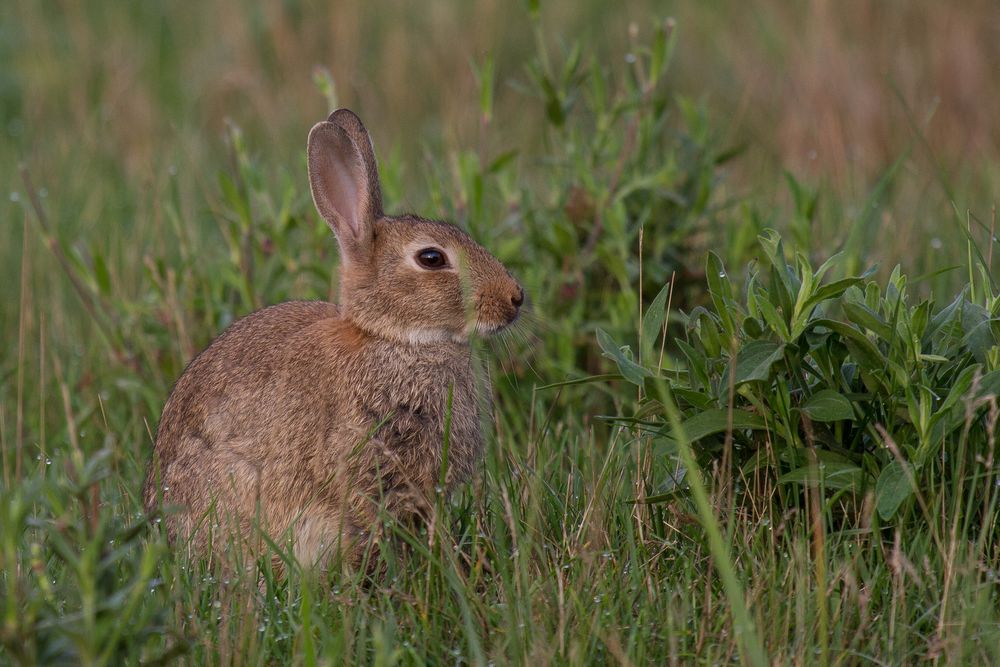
[401,277]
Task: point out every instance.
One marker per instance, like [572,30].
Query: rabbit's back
[211,443]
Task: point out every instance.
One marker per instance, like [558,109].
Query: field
[750,415]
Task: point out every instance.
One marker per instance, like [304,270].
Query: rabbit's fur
[301,420]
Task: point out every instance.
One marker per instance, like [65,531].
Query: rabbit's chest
[406,420]
[402,424]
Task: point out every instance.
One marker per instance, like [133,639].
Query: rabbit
[303,420]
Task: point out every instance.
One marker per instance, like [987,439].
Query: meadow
[750,415]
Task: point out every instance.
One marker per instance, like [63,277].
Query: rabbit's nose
[518,297]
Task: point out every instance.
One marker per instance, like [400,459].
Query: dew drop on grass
[936,243]
[15,196]
[722,274]
[630,58]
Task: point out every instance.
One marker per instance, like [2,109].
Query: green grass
[698,457]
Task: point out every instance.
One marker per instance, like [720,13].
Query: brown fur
[303,419]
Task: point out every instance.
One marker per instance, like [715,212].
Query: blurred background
[116,108]
[828,89]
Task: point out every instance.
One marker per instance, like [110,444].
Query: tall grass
[701,496]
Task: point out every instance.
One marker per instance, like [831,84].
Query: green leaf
[830,291]
[721,291]
[980,340]
[752,327]
[919,319]
[770,242]
[101,274]
[989,384]
[892,489]
[501,161]
[484,74]
[706,331]
[833,475]
[662,51]
[772,316]
[863,316]
[754,361]
[827,405]
[864,351]
[630,370]
[944,317]
[959,388]
[590,379]
[715,421]
[652,319]
[805,200]
[697,365]
[235,200]
[698,399]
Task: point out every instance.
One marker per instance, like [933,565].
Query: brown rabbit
[303,419]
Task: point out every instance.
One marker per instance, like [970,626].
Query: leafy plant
[843,384]
[80,585]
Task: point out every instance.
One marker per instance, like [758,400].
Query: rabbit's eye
[432,258]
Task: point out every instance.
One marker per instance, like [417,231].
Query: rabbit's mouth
[488,329]
[491,328]
[495,315]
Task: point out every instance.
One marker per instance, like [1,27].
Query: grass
[688,464]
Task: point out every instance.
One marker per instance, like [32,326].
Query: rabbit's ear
[343,177]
